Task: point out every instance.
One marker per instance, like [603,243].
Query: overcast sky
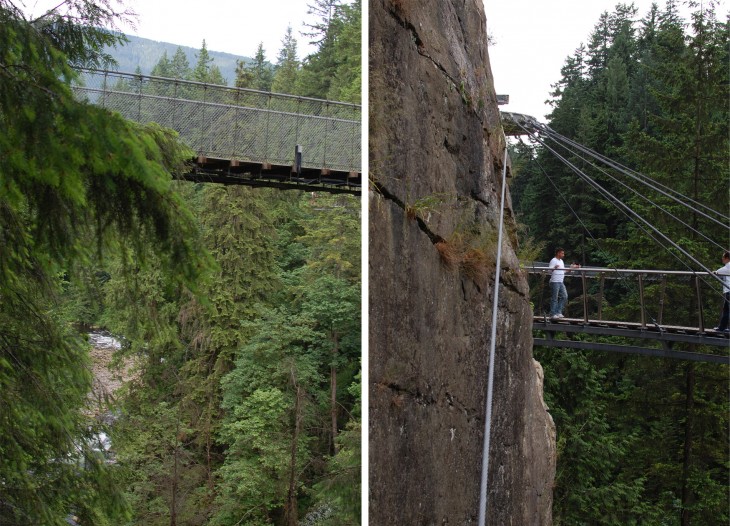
[231,26]
[226,25]
[534,37]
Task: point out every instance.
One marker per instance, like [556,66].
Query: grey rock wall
[436,163]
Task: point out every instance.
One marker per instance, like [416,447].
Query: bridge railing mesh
[649,297]
[231,123]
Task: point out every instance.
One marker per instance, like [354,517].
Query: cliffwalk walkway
[670,318]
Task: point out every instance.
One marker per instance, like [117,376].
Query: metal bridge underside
[546,331]
[283,177]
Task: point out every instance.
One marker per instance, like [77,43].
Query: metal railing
[647,297]
[234,123]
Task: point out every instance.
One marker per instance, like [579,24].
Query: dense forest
[238,308]
[142,54]
[641,440]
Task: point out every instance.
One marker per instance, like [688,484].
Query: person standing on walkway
[724,273]
[558,292]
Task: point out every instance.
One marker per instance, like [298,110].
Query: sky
[230,26]
[534,37]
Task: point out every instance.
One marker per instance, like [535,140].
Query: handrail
[545,269]
[691,279]
[123,74]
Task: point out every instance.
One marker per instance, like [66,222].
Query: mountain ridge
[145,53]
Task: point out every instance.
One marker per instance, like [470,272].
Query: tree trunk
[689,409]
[333,392]
[290,512]
[173,503]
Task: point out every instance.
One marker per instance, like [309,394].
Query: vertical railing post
[103,90]
[203,126]
[701,318]
[298,121]
[175,104]
[641,301]
[355,140]
[266,137]
[585,296]
[543,279]
[327,123]
[600,296]
[236,130]
[662,292]
[139,98]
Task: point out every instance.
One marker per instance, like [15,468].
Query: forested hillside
[640,440]
[333,72]
[240,307]
[144,53]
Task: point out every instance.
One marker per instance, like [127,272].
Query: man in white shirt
[558,292]
[724,273]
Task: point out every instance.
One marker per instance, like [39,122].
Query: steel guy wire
[623,279]
[639,194]
[681,199]
[629,212]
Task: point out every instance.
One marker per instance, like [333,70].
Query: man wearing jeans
[558,293]
[724,273]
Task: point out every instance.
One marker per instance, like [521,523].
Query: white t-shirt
[724,273]
[559,272]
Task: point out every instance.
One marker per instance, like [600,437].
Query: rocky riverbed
[108,379]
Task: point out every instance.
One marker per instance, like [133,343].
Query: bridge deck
[665,334]
[282,176]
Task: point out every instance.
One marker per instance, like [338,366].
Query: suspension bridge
[673,307]
[242,136]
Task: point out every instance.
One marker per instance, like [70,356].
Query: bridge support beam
[550,341]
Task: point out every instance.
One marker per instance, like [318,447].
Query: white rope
[484,490]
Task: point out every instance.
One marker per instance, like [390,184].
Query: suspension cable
[680,199]
[640,195]
[484,491]
[628,283]
[628,211]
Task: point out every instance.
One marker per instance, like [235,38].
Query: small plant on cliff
[449,253]
[465,97]
[473,251]
[427,205]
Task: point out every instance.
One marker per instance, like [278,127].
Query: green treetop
[287,65]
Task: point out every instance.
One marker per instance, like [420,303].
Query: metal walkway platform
[667,336]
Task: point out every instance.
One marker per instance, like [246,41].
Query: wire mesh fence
[233,123]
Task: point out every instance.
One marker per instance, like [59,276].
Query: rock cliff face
[437,154]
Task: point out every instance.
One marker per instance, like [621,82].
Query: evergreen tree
[296,367]
[346,84]
[205,70]
[256,75]
[324,11]
[72,173]
[163,68]
[179,65]
[244,75]
[287,65]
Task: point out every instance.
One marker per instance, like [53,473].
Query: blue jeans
[725,312]
[558,297]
